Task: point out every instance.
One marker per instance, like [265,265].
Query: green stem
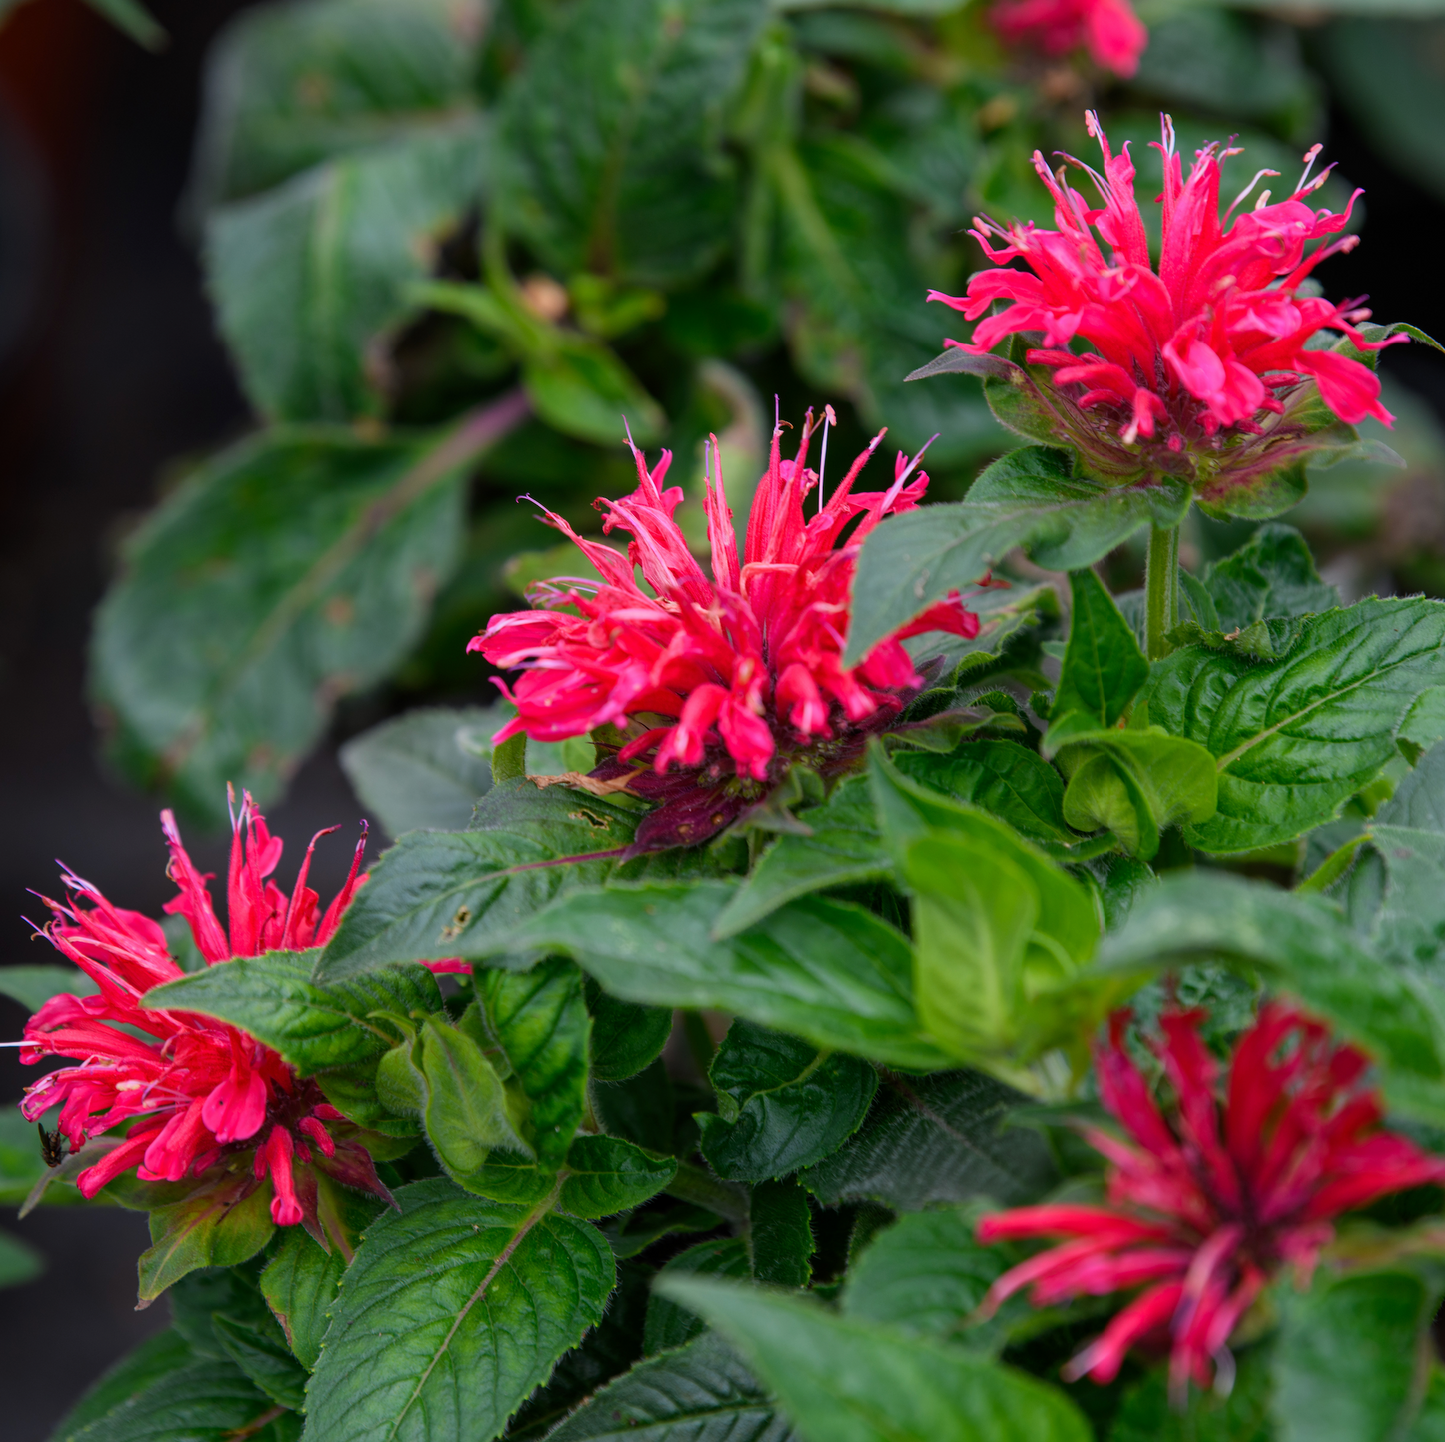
[1161,591]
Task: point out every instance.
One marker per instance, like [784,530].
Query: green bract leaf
[313,1027]
[1030,497]
[626,1038]
[223,1223]
[925,1274]
[441,894]
[1103,665]
[309,276]
[1294,738]
[932,1139]
[1346,1359]
[606,1175]
[826,970]
[612,137]
[1303,945]
[287,572]
[700,1393]
[452,1312]
[540,1021]
[844,1381]
[424,769]
[292,86]
[782,1103]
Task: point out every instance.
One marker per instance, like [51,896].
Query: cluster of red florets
[1206,1205]
[1109,30]
[725,679]
[194,1091]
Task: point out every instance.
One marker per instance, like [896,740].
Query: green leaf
[464,1105]
[926,1274]
[157,1357]
[845,1381]
[221,1225]
[780,1234]
[606,1175]
[466,1290]
[33,986]
[1428,1424]
[700,1392]
[440,894]
[827,970]
[1294,738]
[300,1281]
[1103,665]
[843,847]
[1301,944]
[1346,1358]
[1029,497]
[1003,778]
[612,137]
[19,1261]
[291,86]
[539,1019]
[639,1108]
[262,1354]
[582,389]
[788,1104]
[309,277]
[1147,1415]
[272,997]
[423,769]
[939,1138]
[670,1324]
[21,1164]
[1272,574]
[626,1038]
[287,572]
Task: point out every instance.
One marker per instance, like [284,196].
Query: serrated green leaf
[464,1289]
[1272,574]
[845,1381]
[291,86]
[33,986]
[926,1274]
[1003,778]
[1345,1361]
[606,1175]
[612,137]
[789,1103]
[670,1324]
[539,1019]
[272,997]
[1301,944]
[844,847]
[1103,665]
[286,572]
[780,1234]
[262,1354]
[426,768]
[939,1138]
[1030,497]
[700,1392]
[441,894]
[309,276]
[626,1038]
[827,970]
[1294,738]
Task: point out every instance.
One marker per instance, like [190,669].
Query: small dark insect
[52,1146]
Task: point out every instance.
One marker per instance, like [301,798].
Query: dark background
[110,372]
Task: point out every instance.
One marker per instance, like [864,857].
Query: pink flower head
[1193,369]
[722,681]
[196,1091]
[1205,1207]
[1112,32]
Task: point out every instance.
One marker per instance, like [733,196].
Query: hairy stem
[1161,591]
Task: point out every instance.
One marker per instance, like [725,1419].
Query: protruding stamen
[829,421]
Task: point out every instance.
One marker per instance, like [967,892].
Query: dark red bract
[1206,1206]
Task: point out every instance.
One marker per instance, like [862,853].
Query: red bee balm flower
[723,682]
[1113,33]
[197,1090]
[1206,1207]
[1199,369]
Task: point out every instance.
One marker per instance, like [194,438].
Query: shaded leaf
[224,1223]
[606,1175]
[626,1038]
[1001,777]
[33,986]
[669,1323]
[1103,665]
[780,1234]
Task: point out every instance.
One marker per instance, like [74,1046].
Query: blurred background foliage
[451,244]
